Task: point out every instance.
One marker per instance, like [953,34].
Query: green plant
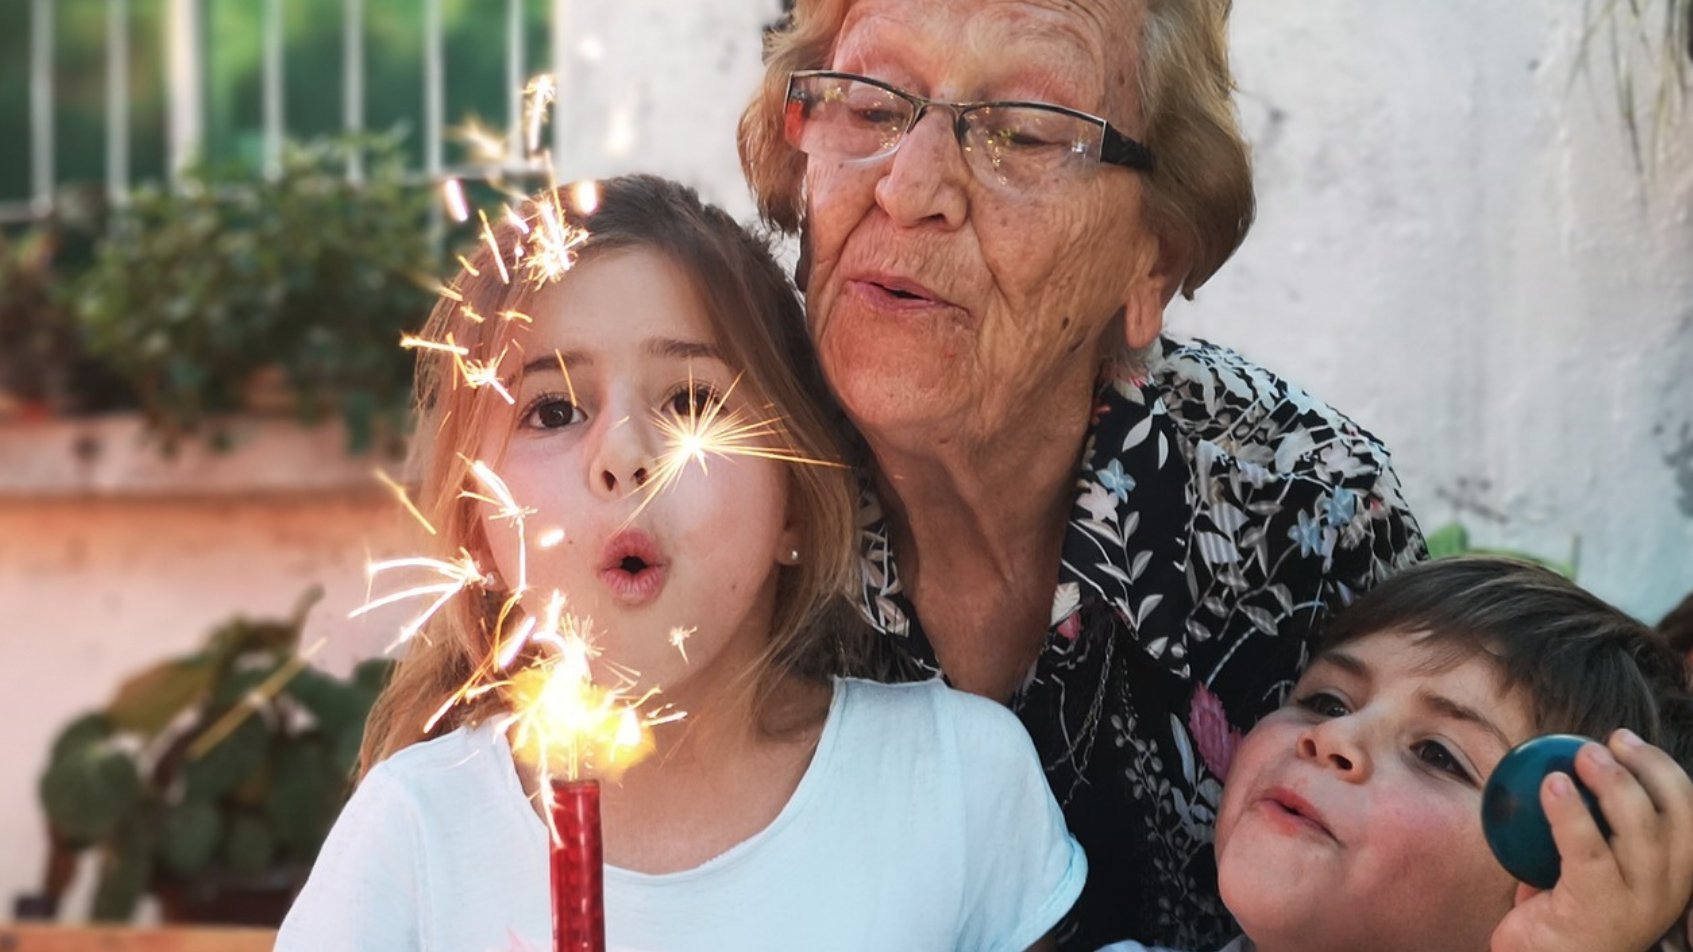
[227,764]
[1454,539]
[45,364]
[199,291]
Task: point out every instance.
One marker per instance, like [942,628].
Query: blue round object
[1511,818]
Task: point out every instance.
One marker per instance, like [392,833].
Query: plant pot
[225,898]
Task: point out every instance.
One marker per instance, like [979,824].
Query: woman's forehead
[984,43]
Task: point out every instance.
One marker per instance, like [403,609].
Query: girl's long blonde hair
[760,330]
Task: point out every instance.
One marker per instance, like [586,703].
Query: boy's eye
[1437,756]
[694,401]
[1324,704]
[551,412]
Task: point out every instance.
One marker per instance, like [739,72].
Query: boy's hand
[1622,894]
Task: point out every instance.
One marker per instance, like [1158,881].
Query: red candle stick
[578,868]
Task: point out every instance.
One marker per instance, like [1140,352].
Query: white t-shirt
[923,822]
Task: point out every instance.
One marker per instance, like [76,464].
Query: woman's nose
[1336,744]
[926,178]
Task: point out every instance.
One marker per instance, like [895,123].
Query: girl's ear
[790,544]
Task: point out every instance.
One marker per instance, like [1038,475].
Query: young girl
[789,809]
[1351,818]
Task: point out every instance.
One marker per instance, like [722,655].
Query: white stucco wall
[1452,246]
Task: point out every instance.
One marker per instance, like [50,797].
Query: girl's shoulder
[935,723]
[441,770]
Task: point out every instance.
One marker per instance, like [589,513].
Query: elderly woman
[1129,540]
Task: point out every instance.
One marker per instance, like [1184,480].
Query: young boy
[1351,818]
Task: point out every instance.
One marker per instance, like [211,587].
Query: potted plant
[210,780]
[203,295]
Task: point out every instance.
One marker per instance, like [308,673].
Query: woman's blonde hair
[760,331]
[1199,198]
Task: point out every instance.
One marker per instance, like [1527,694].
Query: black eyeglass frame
[1115,148]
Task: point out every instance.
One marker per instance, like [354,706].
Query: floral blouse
[1221,513]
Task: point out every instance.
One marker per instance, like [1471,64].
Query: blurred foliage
[1648,46]
[45,366]
[199,296]
[125,780]
[1454,539]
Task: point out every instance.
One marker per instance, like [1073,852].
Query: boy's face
[1352,816]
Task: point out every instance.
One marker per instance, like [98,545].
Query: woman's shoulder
[1216,397]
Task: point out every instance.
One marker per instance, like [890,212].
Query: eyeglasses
[1019,144]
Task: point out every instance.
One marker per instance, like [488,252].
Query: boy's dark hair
[1586,667]
[1677,627]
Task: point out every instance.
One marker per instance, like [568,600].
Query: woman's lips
[632,567]
[897,295]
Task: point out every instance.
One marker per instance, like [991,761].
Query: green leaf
[125,869]
[230,763]
[1448,540]
[335,706]
[305,797]
[89,789]
[249,848]
[149,701]
[189,837]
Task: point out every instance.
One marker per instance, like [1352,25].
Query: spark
[467,266]
[453,191]
[506,508]
[404,497]
[413,342]
[553,243]
[550,538]
[485,146]
[538,97]
[455,575]
[494,246]
[710,430]
[679,637]
[485,373]
[585,196]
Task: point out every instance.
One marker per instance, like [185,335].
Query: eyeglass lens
[843,118]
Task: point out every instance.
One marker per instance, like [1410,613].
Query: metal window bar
[41,106]
[275,36]
[183,40]
[117,101]
[352,82]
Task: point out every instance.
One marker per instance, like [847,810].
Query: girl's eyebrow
[674,349]
[571,358]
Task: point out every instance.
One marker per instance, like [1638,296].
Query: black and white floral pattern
[1220,514]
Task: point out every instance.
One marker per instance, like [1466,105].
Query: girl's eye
[550,413]
[693,402]
[1435,754]
[1323,704]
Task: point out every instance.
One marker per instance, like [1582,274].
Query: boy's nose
[1336,746]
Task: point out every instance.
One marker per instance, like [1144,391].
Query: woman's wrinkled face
[943,304]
